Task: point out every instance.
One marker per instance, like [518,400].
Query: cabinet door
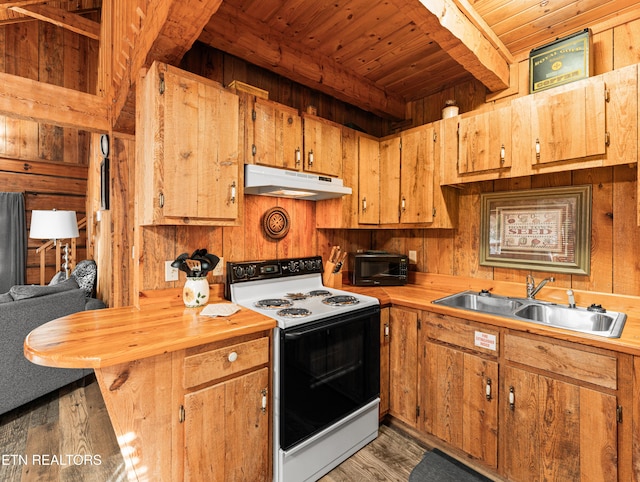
[226,430]
[568,124]
[416,175]
[485,141]
[550,429]
[322,146]
[390,180]
[461,405]
[368,180]
[403,396]
[277,134]
[384,361]
[200,149]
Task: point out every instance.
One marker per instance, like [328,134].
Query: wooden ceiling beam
[169,30]
[41,102]
[255,42]
[445,23]
[62,18]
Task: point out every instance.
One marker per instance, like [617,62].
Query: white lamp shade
[53,225]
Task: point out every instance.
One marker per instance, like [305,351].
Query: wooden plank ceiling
[374,54]
[380,54]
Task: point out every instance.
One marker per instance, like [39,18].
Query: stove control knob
[293,266]
[251,270]
[239,272]
[309,265]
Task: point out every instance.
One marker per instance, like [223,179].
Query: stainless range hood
[270,181]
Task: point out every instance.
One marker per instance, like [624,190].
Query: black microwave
[378,268]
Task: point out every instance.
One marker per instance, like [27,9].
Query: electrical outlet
[219,269]
[413,257]
[170,273]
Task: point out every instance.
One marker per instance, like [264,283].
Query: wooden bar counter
[187,394]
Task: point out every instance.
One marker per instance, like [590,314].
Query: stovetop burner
[273,303]
[341,300]
[294,312]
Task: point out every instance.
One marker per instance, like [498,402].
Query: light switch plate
[170,273]
[413,257]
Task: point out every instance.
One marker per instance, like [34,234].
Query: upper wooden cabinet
[277,135]
[485,141]
[322,146]
[586,124]
[187,149]
[566,124]
[416,174]
[369,164]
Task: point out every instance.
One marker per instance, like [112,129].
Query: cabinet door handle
[403,204]
[233,356]
[233,193]
[263,407]
[512,398]
[487,389]
[537,149]
[311,158]
[502,154]
[298,156]
[386,331]
[364,204]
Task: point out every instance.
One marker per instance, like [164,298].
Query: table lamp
[55,225]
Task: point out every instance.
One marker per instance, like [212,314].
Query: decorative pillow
[6,297]
[21,292]
[57,278]
[85,275]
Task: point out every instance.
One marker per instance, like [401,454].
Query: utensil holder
[195,292]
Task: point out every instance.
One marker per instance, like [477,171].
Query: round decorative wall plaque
[276,223]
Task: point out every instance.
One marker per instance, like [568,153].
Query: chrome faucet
[532,289]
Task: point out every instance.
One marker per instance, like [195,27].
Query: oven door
[328,369]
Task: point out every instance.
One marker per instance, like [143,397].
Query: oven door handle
[342,320]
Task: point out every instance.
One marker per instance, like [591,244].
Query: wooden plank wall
[47,163]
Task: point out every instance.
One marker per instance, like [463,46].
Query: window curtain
[13,240]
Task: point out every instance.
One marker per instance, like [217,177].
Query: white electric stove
[326,363]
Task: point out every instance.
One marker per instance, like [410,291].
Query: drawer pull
[233,356]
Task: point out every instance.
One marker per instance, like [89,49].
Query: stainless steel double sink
[594,320]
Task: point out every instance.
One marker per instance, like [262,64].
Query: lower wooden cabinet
[385,336]
[403,356]
[459,391]
[199,414]
[523,406]
[225,412]
[556,430]
[225,430]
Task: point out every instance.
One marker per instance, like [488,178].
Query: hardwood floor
[67,437]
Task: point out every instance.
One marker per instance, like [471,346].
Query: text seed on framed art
[539,229]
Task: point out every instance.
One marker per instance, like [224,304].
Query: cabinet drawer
[597,368]
[462,333]
[225,361]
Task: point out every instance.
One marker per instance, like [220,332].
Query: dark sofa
[23,309]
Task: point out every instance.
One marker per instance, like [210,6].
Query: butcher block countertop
[102,338]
